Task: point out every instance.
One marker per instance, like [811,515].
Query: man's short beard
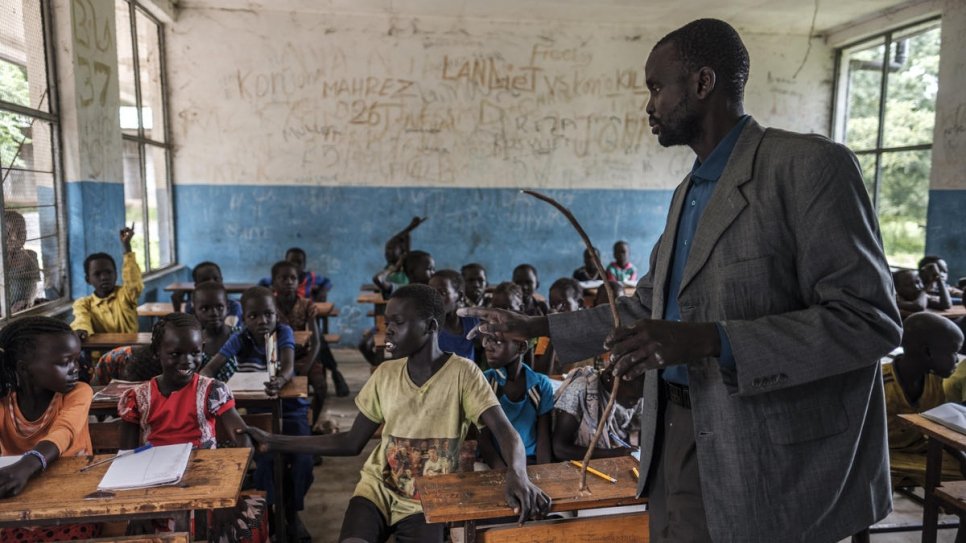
[681,127]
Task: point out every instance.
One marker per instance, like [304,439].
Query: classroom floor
[336,478]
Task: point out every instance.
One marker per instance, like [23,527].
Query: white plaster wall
[273,97]
[949,139]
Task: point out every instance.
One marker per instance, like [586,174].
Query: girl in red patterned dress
[181,406]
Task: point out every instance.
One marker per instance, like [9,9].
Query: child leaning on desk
[248,346]
[426,399]
[180,406]
[43,412]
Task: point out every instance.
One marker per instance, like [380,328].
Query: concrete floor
[336,478]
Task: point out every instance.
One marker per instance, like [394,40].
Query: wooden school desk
[954,312]
[106,342]
[952,494]
[473,496]
[62,494]
[230,288]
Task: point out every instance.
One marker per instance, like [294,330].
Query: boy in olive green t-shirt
[426,399]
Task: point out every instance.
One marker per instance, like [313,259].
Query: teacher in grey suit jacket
[759,325]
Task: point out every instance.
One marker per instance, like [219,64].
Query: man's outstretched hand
[503,324]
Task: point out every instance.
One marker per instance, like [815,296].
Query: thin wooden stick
[612,300]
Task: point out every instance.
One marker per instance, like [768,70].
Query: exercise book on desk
[950,415]
[156,466]
[249,381]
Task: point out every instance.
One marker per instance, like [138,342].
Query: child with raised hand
[910,292]
[938,295]
[579,402]
[943,269]
[111,308]
[913,383]
[474,277]
[621,269]
[525,276]
[205,272]
[424,399]
[23,270]
[453,328]
[248,346]
[180,406]
[525,396]
[395,251]
[43,411]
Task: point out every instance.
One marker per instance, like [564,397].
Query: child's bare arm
[213,366]
[544,446]
[522,495]
[488,452]
[349,443]
[235,426]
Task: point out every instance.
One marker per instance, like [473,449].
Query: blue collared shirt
[704,177]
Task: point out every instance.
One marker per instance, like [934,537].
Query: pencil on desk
[637,474]
[591,470]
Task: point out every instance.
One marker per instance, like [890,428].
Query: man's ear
[706,82]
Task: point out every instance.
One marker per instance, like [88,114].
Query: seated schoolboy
[111,308]
[913,384]
[578,404]
[395,250]
[248,346]
[176,405]
[910,292]
[940,263]
[621,269]
[43,412]
[565,296]
[205,272]
[210,302]
[311,285]
[588,272]
[474,277]
[525,276]
[938,295]
[425,398]
[507,296]
[525,396]
[453,329]
[23,270]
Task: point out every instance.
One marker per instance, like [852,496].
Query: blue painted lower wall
[946,229]
[95,214]
[247,228]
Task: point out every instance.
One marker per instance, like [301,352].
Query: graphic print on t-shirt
[407,458]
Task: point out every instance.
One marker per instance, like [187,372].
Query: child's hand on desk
[273,386]
[525,498]
[14,478]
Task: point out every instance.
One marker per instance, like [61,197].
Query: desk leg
[930,510]
[281,530]
[469,531]
[182,523]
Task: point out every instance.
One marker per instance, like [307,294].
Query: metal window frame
[134,8]
[51,116]
[878,150]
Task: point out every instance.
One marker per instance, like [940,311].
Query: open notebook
[156,466]
[950,415]
[253,381]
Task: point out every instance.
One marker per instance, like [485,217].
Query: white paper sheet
[249,381]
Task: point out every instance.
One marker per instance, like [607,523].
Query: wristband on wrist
[39,456]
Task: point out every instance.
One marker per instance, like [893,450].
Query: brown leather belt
[679,394]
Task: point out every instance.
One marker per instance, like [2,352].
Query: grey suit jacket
[787,257]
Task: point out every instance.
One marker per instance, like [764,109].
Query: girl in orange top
[43,409]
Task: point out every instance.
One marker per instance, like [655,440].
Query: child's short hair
[295,250]
[412,257]
[18,339]
[209,286]
[508,288]
[472,266]
[98,256]
[618,243]
[928,259]
[254,293]
[570,287]
[202,265]
[525,267]
[918,326]
[283,264]
[425,299]
[146,363]
[454,277]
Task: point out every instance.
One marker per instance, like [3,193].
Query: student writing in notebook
[180,406]
[43,411]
